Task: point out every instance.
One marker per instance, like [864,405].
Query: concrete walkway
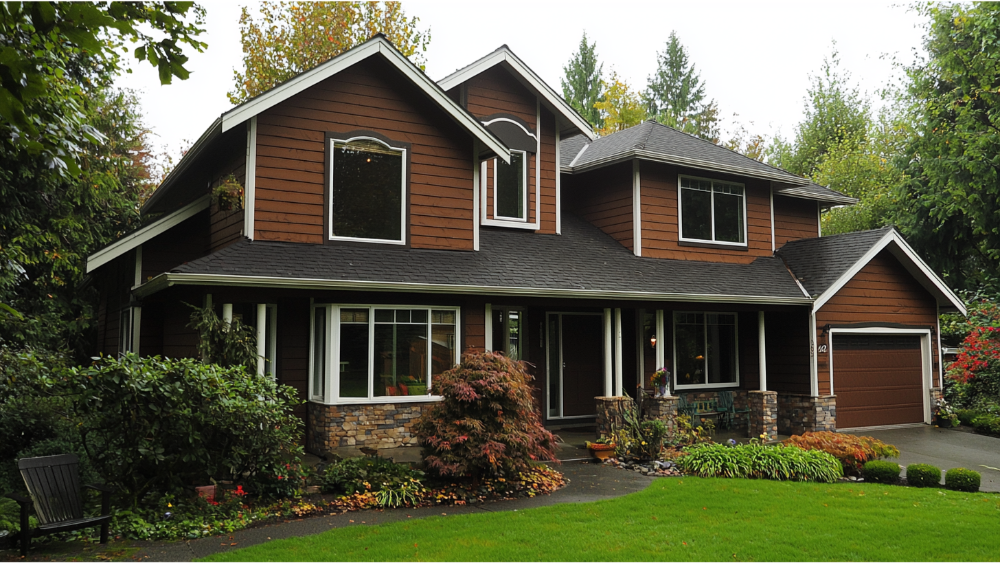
[945,448]
[587,482]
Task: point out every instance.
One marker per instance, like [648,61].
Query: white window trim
[736,333]
[926,356]
[332,376]
[527,189]
[267,346]
[680,216]
[504,336]
[402,198]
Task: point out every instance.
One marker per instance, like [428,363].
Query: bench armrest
[100,487]
[18,498]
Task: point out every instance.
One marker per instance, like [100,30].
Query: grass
[688,519]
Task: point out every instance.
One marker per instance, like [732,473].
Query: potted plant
[659,380]
[602,448]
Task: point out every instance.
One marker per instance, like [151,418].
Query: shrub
[923,475]
[152,424]
[228,344]
[852,451]
[878,471]
[757,461]
[987,424]
[965,416]
[360,474]
[961,479]
[486,422]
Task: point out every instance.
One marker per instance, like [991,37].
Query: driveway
[945,449]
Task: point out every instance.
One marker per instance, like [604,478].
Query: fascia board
[109,253]
[553,100]
[378,45]
[892,238]
[166,280]
[190,156]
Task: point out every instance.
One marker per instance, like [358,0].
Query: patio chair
[54,486]
[689,408]
[729,411]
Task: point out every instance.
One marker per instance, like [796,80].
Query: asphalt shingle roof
[583,258]
[819,262]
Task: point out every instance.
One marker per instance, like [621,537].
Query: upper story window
[367,191]
[510,186]
[712,211]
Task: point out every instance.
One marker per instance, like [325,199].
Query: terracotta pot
[602,454]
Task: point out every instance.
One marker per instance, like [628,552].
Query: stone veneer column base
[661,408]
[609,411]
[763,414]
[804,413]
[379,426]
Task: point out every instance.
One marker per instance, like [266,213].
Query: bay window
[705,350]
[380,353]
[712,211]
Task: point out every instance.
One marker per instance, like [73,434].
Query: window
[510,187]
[125,331]
[268,326]
[507,331]
[712,211]
[367,191]
[381,352]
[705,350]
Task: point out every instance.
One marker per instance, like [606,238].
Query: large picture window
[712,211]
[510,187]
[367,191]
[381,353]
[705,350]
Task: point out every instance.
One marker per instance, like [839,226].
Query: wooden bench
[698,409]
[54,485]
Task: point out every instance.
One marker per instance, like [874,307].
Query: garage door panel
[878,380]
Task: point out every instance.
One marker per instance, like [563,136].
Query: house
[389,223]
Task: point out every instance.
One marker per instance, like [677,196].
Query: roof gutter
[169,279]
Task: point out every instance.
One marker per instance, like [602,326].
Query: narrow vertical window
[319,353]
[354,337]
[511,187]
[125,331]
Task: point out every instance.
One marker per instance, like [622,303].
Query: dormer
[516,106]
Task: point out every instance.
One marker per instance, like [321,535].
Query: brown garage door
[877,380]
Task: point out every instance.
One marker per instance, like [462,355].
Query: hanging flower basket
[228,195]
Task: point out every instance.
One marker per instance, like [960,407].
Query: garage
[878,379]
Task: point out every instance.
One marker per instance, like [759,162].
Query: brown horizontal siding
[184,243]
[604,198]
[794,219]
[547,160]
[226,227]
[882,292]
[660,226]
[787,351]
[474,326]
[497,91]
[371,96]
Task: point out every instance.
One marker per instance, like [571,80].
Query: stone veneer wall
[739,402]
[608,414]
[763,414]
[805,413]
[661,408]
[377,426]
[936,396]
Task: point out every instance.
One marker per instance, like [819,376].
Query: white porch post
[619,376]
[488,331]
[227,312]
[661,359]
[813,356]
[608,346]
[261,336]
[761,350]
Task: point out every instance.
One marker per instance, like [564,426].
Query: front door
[575,364]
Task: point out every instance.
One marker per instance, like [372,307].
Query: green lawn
[685,519]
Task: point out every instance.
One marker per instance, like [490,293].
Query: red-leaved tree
[486,424]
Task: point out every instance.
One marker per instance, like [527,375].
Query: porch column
[619,376]
[608,345]
[488,329]
[227,312]
[261,336]
[661,344]
[761,351]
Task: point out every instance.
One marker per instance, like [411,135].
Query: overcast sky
[754,57]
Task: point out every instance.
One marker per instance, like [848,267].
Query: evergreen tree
[581,82]
[675,94]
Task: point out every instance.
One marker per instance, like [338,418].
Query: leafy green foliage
[635,437]
[923,475]
[228,344]
[982,312]
[951,198]
[51,222]
[757,461]
[675,94]
[961,479]
[619,105]
[879,471]
[852,451]
[359,474]
[581,82]
[152,424]
[986,424]
[56,55]
[486,423]
[292,37]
